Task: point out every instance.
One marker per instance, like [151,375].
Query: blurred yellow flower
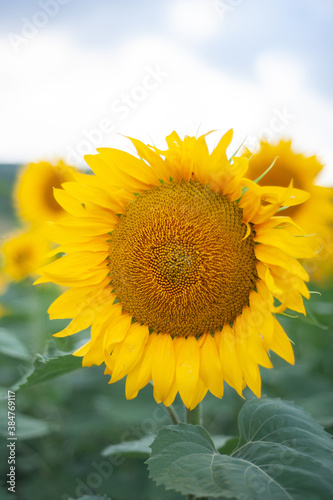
[22,253]
[33,192]
[174,260]
[315,216]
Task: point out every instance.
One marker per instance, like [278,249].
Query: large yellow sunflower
[315,216]
[33,191]
[174,260]
[22,253]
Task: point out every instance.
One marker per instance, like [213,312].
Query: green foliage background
[65,423]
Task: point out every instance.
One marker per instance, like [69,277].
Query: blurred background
[78,75]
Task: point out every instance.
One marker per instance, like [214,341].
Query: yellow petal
[129,164]
[130,352]
[275,256]
[264,323]
[98,244]
[250,368]
[95,353]
[265,275]
[289,196]
[278,221]
[292,245]
[72,301]
[71,205]
[199,393]
[253,322]
[172,393]
[289,298]
[94,278]
[210,367]
[155,161]
[68,264]
[290,280]
[250,203]
[231,369]
[82,321]
[85,193]
[163,366]
[265,294]
[187,369]
[117,328]
[218,157]
[281,344]
[140,375]
[236,171]
[102,165]
[89,226]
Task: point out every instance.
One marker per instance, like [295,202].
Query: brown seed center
[178,260]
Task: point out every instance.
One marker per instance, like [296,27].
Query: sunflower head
[179,264]
[22,254]
[315,216]
[33,192]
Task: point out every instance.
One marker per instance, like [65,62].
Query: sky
[76,75]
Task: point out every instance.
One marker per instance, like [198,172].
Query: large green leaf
[283,454]
[47,368]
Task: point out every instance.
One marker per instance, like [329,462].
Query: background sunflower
[23,252]
[315,216]
[33,192]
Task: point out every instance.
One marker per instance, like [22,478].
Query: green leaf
[283,454]
[139,448]
[12,346]
[47,368]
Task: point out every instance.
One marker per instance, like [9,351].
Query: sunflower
[175,260]
[315,216]
[33,191]
[22,254]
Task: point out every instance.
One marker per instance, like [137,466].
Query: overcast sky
[74,75]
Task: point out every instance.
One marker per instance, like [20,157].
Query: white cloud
[194,19]
[58,96]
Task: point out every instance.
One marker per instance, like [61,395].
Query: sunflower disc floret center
[178,260]
[176,265]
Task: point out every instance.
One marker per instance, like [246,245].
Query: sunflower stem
[173,414]
[194,416]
